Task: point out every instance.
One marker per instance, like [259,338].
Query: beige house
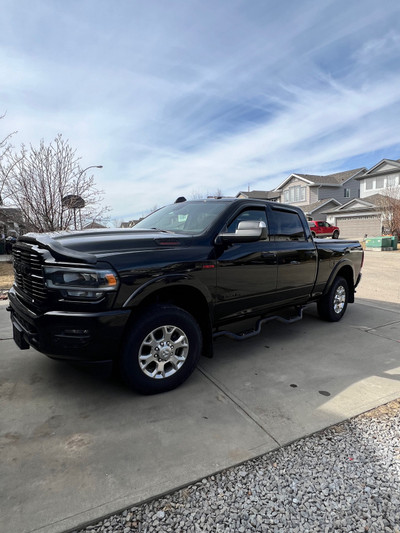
[317,194]
[273,196]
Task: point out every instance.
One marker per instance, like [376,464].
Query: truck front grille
[28,273]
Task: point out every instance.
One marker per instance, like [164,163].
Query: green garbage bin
[395,241]
[379,243]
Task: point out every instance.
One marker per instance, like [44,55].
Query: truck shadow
[296,378]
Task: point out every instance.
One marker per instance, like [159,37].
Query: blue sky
[187,97]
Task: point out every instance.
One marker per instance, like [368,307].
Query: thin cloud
[183,96]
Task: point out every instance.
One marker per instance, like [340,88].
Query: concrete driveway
[76,446]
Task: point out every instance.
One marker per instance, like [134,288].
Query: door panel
[246,279]
[246,272]
[297,270]
[296,254]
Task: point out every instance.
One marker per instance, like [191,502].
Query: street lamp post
[74,201]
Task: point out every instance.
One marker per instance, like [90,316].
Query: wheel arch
[185,296]
[344,270]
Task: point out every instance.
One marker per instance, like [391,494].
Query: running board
[260,323]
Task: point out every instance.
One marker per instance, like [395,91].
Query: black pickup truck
[152,298]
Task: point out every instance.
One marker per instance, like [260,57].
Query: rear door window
[286,226]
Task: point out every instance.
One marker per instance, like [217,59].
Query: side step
[252,333]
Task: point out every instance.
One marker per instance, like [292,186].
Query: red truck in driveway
[320,228]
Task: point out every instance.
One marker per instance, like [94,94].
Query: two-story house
[317,194]
[379,193]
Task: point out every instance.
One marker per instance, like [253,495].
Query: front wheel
[161,351]
[332,306]
[335,234]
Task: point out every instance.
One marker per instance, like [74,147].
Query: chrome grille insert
[28,273]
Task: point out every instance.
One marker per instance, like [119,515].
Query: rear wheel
[332,306]
[335,234]
[162,350]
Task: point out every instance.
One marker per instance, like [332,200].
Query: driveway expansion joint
[241,406]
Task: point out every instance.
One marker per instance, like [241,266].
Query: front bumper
[74,336]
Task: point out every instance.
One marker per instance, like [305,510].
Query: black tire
[333,305]
[313,235]
[335,234]
[161,351]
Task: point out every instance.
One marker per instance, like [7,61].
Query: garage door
[358,227]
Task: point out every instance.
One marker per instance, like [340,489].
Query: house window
[347,193]
[392,181]
[380,183]
[369,184]
[295,194]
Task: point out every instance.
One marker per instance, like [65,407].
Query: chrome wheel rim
[339,300]
[163,352]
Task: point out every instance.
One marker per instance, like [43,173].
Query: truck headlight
[79,283]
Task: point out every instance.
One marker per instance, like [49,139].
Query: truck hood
[88,246]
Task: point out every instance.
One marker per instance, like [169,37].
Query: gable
[328,203]
[293,178]
[357,205]
[386,165]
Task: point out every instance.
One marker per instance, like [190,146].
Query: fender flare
[343,263]
[155,285]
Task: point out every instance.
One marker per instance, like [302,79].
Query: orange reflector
[112,280]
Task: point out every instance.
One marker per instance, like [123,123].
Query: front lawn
[6,275]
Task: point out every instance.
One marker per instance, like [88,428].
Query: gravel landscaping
[343,479]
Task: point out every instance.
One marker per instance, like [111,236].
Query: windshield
[184,217]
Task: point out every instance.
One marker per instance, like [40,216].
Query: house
[273,196]
[11,221]
[382,178]
[373,212]
[358,218]
[94,225]
[131,223]
[11,225]
[316,194]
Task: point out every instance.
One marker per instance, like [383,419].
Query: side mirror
[247,231]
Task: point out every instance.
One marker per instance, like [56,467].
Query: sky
[194,97]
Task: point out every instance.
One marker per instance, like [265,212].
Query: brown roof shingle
[332,179]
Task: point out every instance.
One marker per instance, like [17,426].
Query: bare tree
[49,187]
[218,193]
[5,149]
[198,195]
[390,205]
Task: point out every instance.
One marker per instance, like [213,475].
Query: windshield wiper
[162,230]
